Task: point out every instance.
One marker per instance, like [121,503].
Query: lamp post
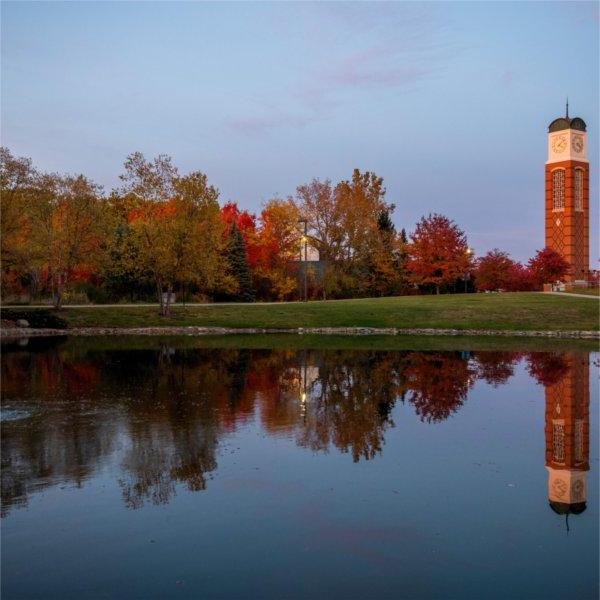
[469,253]
[305,241]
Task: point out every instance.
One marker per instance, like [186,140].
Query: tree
[385,269]
[548,266]
[343,223]
[438,252]
[494,271]
[318,204]
[67,230]
[147,190]
[197,233]
[175,223]
[17,185]
[246,225]
[238,263]
[521,279]
[276,243]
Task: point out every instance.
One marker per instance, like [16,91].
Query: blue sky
[448,102]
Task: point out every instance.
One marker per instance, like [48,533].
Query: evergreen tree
[238,263]
[385,224]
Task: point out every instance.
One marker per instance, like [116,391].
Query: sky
[448,102]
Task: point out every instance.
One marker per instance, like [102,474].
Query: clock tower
[567,431]
[568,195]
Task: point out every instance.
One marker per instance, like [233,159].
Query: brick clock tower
[568,195]
[567,432]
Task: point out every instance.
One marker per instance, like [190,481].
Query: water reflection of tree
[496,367]
[174,431]
[53,445]
[350,407]
[547,368]
[165,409]
[437,383]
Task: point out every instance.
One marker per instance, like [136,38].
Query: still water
[163,469]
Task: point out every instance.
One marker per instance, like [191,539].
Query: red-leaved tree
[438,252]
[521,279]
[494,271]
[548,266]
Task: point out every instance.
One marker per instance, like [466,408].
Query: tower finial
[567,107]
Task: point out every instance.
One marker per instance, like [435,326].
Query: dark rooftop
[567,123]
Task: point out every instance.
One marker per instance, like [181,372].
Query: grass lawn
[587,291]
[290,341]
[515,311]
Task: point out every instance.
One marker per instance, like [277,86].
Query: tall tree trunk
[167,312]
[159,291]
[59,292]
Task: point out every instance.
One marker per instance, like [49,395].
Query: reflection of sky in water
[13,415]
[398,473]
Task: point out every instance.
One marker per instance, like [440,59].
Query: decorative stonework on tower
[567,436]
[568,195]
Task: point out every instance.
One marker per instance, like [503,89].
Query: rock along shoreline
[23,332]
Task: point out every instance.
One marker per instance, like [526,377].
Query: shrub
[38,318]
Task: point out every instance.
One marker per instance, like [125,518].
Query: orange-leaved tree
[277,246]
[68,233]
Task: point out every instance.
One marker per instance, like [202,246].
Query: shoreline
[26,332]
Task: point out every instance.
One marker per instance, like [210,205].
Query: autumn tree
[238,264]
[548,266]
[438,252]
[277,247]
[176,225]
[17,187]
[385,269]
[68,229]
[494,271]
[521,279]
[343,223]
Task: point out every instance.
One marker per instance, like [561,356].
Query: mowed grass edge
[514,311]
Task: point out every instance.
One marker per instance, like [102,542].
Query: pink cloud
[392,48]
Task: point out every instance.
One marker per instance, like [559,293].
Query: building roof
[567,123]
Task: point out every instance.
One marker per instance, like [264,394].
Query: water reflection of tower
[567,437]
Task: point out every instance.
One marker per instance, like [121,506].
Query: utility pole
[469,253]
[305,240]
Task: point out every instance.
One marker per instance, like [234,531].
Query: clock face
[578,143]
[559,487]
[559,143]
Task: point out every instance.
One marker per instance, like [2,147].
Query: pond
[187,468]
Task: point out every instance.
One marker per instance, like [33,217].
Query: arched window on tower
[578,189]
[558,441]
[558,189]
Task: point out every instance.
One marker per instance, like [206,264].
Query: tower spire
[567,114]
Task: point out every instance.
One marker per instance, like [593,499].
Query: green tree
[238,263]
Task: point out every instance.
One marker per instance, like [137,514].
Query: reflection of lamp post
[469,253]
[303,385]
[305,240]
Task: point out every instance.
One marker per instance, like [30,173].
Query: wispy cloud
[262,124]
[372,48]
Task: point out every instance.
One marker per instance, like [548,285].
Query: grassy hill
[515,311]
